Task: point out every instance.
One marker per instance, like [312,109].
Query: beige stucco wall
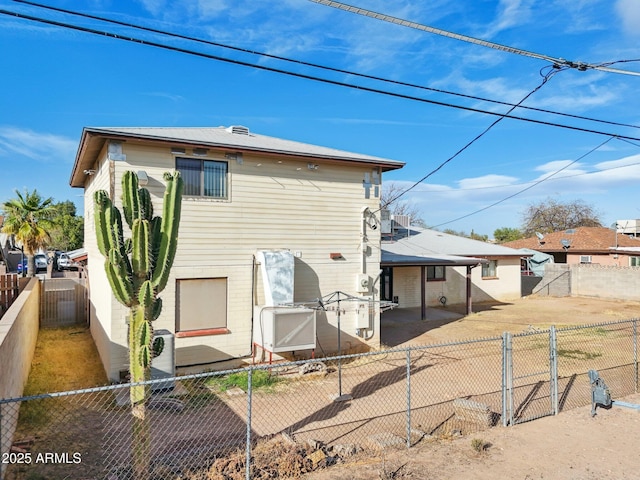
[506,286]
[101,301]
[620,260]
[275,203]
[18,336]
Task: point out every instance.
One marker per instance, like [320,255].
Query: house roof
[239,139]
[427,241]
[579,240]
[424,246]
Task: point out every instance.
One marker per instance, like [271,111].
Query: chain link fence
[286,419]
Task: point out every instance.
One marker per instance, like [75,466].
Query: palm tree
[27,219]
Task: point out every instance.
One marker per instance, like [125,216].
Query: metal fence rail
[206,423]
[64,302]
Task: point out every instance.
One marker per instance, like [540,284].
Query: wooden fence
[64,302]
[8,291]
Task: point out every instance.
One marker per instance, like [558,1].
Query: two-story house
[268,226]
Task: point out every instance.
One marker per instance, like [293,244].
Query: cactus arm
[101,203]
[122,288]
[169,230]
[140,248]
[146,207]
[130,197]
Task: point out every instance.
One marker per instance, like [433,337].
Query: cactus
[138,269]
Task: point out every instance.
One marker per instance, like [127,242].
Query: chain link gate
[530,376]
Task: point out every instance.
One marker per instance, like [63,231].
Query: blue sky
[55,81]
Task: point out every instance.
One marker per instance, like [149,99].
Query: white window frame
[490,270]
[584,259]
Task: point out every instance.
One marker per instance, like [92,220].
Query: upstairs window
[634,261]
[203,178]
[585,258]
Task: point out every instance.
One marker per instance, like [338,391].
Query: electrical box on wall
[363,315]
[363,283]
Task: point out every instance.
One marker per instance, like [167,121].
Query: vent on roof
[238,130]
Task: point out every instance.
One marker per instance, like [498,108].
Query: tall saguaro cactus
[138,269]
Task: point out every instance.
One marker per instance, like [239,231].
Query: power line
[527,188]
[582,66]
[545,78]
[505,185]
[302,75]
[311,64]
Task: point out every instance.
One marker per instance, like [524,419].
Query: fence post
[507,380]
[248,445]
[553,369]
[635,354]
[408,398]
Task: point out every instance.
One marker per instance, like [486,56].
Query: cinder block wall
[18,335]
[590,280]
[556,281]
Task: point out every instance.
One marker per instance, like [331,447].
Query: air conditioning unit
[164,365]
[284,329]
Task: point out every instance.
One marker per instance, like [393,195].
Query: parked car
[66,263]
[41,261]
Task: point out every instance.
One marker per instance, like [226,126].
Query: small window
[634,261]
[201,307]
[435,273]
[203,178]
[585,258]
[490,270]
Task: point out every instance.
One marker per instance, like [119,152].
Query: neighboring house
[598,245]
[265,221]
[423,267]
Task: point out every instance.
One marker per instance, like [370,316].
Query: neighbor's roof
[580,240]
[235,138]
[425,242]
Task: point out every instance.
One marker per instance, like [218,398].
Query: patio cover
[391,259]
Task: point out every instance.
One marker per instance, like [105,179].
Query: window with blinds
[203,178]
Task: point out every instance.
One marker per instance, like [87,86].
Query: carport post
[423,293]
[469,302]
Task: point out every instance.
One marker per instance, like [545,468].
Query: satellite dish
[565,243]
[539,235]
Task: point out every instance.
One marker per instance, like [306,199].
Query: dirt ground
[570,446]
[403,326]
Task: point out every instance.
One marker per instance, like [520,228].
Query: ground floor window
[201,306]
[490,270]
[634,261]
[436,273]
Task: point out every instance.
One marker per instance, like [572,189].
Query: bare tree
[399,207]
[551,215]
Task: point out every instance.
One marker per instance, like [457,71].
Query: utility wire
[507,185]
[302,75]
[582,66]
[310,64]
[527,188]
[545,78]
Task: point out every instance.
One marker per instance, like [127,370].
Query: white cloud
[42,147]
[629,13]
[510,14]
[486,181]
